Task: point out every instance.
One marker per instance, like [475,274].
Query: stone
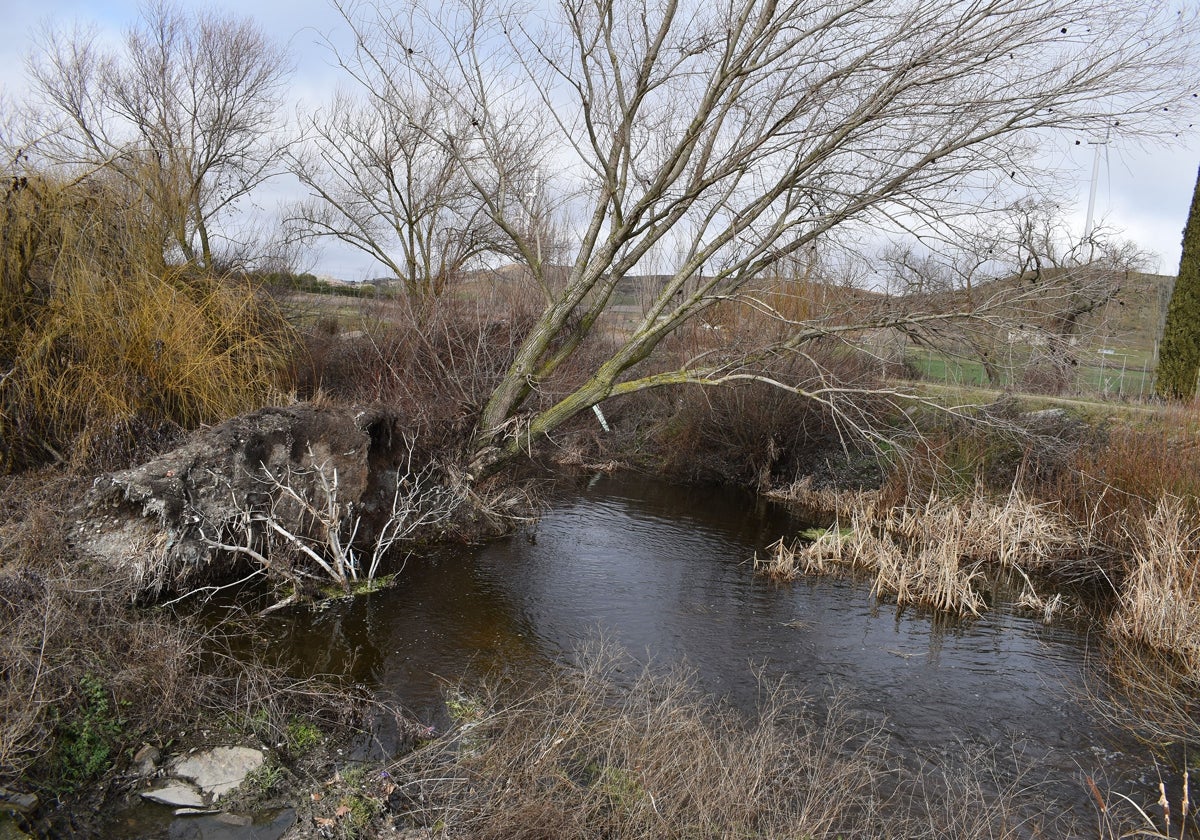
[1046,415]
[22,803]
[147,759]
[177,795]
[219,770]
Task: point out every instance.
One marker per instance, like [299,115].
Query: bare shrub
[436,363]
[753,434]
[590,755]
[74,652]
[1120,479]
[308,529]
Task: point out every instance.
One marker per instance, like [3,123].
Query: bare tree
[186,112]
[384,172]
[381,184]
[1027,284]
[741,132]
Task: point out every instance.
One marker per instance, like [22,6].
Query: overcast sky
[1142,192]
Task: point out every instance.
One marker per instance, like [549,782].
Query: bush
[759,435]
[102,345]
[437,365]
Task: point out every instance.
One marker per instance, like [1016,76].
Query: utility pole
[1091,208]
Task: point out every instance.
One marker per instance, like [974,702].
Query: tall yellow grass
[1160,600]
[102,337]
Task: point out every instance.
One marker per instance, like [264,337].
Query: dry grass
[1117,481]
[591,756]
[934,554]
[609,749]
[1160,599]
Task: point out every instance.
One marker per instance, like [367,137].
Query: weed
[88,741]
[302,737]
[463,708]
[355,814]
[353,776]
[261,782]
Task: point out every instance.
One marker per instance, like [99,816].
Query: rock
[219,770]
[22,803]
[146,759]
[1047,416]
[177,795]
[147,522]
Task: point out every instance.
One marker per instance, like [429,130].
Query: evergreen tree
[1179,352]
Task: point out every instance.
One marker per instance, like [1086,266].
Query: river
[665,572]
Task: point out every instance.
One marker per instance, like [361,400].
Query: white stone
[177,795]
[219,770]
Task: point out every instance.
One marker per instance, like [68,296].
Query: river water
[665,572]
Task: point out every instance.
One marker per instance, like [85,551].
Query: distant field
[1114,354]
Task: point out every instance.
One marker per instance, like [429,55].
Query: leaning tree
[737,135]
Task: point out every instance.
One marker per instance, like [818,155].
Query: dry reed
[934,554]
[1160,600]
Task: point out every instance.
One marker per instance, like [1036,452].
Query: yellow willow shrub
[102,339]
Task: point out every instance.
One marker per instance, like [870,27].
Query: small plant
[621,787]
[354,776]
[464,709]
[302,736]
[88,741]
[259,723]
[262,782]
[356,813]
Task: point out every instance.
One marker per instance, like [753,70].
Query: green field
[1113,354]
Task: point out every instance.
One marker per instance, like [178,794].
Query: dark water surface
[665,572]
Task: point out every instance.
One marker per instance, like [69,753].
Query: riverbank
[1094,506]
[101,677]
